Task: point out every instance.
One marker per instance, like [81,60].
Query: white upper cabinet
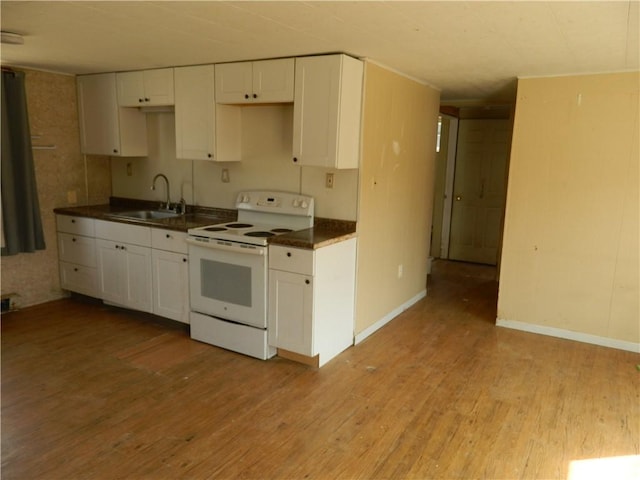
[105,128]
[195,112]
[327,111]
[145,88]
[264,81]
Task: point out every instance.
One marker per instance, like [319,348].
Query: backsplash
[266,164]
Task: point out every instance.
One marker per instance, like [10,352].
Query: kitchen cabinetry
[327,110]
[145,88]
[170,274]
[265,81]
[195,112]
[77,254]
[312,299]
[204,130]
[106,128]
[124,264]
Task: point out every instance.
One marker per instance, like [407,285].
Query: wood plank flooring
[92,392]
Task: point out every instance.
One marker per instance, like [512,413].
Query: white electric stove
[228,270]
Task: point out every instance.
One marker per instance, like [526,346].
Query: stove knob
[245,199]
[304,204]
[296,202]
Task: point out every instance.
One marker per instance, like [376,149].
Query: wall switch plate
[328,181]
[72,197]
[224,176]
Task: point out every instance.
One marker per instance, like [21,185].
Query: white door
[234,82]
[171,285]
[195,112]
[110,264]
[139,290]
[479,190]
[273,80]
[291,312]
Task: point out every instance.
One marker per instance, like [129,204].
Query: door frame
[452,145]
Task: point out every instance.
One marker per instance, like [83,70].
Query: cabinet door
[158,86]
[273,80]
[79,278]
[145,88]
[326,111]
[131,89]
[234,82]
[137,277]
[98,112]
[171,285]
[77,249]
[290,312]
[195,112]
[110,267]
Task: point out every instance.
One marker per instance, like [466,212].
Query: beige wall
[266,164]
[396,193]
[51,101]
[570,256]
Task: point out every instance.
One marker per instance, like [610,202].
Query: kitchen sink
[147,214]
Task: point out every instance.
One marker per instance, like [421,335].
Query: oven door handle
[238,248]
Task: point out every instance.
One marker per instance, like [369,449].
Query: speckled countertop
[324,232]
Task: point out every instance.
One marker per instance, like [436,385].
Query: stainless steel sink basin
[147,214]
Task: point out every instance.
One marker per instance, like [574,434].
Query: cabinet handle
[115,150]
[288,254]
[295,159]
[146,99]
[184,260]
[246,95]
[209,155]
[140,100]
[73,220]
[75,269]
[73,239]
[255,95]
[307,281]
[168,236]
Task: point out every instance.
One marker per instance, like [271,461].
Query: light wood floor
[90,392]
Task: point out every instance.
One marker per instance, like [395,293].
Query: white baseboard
[388,317]
[570,335]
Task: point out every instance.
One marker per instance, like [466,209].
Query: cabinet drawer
[121,232]
[77,225]
[296,260]
[79,278]
[168,240]
[77,249]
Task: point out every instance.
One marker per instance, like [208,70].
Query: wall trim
[388,317]
[570,335]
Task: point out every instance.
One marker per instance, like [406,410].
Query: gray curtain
[21,223]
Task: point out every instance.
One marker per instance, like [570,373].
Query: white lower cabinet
[77,254]
[170,275]
[125,274]
[124,265]
[312,299]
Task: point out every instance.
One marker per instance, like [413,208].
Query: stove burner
[215,229]
[259,234]
[238,225]
[281,230]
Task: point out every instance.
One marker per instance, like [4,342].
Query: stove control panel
[285,203]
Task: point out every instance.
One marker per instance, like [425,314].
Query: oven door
[228,280]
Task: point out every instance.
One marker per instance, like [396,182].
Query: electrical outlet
[129,169]
[400,271]
[328,181]
[224,176]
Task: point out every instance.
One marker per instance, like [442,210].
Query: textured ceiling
[470,50]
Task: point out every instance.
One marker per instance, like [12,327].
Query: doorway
[470,183]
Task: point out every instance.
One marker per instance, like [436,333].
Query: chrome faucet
[153,187]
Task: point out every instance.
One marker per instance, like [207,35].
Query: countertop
[324,232]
